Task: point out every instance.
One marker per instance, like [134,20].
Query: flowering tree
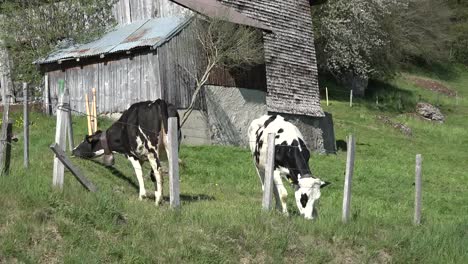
[361,39]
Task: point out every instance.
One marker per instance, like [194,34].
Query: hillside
[221,219]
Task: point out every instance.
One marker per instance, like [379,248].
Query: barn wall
[128,11]
[118,82]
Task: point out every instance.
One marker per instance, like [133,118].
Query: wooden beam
[74,170]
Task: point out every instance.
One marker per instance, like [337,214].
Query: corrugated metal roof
[213,8]
[145,33]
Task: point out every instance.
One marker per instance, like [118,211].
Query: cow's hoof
[141,197]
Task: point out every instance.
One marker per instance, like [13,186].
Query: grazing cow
[291,162]
[140,134]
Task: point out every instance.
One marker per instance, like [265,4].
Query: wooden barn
[153,53]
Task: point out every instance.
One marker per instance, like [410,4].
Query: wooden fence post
[60,139]
[69,124]
[351,99]
[26,125]
[348,179]
[269,168]
[326,94]
[74,170]
[6,155]
[5,128]
[173,141]
[417,198]
[48,110]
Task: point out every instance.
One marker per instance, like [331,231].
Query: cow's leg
[261,175]
[281,194]
[157,179]
[139,173]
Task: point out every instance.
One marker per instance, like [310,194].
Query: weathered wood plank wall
[118,83]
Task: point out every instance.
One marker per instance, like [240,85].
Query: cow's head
[307,195]
[92,147]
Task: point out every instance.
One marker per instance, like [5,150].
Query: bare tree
[226,45]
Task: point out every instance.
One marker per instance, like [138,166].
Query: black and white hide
[291,162]
[141,135]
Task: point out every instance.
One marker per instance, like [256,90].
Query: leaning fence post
[417,197]
[173,140]
[348,179]
[351,99]
[269,168]
[60,139]
[26,125]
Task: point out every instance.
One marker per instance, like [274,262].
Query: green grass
[221,219]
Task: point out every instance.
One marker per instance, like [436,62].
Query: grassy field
[221,219]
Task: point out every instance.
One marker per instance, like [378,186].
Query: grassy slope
[221,220]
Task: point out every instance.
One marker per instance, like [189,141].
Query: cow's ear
[324,184]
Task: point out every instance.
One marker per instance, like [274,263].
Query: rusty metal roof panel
[213,8]
[145,33]
[152,33]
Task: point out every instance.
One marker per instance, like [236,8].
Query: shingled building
[146,57]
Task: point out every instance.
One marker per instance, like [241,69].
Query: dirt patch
[432,85]
[382,257]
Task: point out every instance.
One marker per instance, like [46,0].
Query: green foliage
[32,29]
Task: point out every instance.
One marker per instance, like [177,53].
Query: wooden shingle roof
[291,66]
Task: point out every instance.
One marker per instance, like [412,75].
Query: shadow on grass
[193,198]
[443,71]
[380,95]
[150,194]
[117,173]
[389,98]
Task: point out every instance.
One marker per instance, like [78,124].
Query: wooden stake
[74,170]
[269,169]
[326,94]
[348,179]
[88,115]
[26,125]
[95,122]
[351,99]
[173,142]
[418,197]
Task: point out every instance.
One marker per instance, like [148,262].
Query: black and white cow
[140,134]
[291,162]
